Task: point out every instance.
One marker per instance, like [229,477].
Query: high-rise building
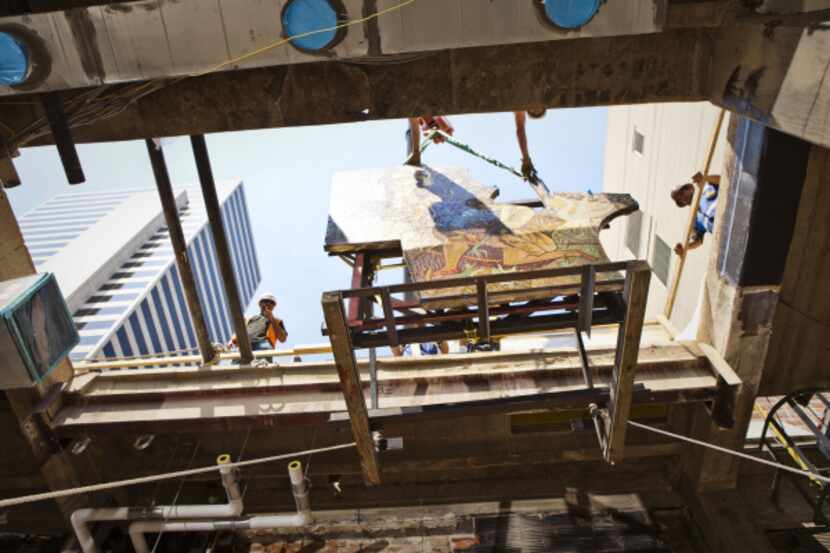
[113,259]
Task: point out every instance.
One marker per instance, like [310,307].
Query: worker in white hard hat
[265,329]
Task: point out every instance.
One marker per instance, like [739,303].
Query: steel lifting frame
[487,314]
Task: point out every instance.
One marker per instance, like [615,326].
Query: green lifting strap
[535,181]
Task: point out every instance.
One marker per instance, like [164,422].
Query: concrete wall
[150,39]
[675,139]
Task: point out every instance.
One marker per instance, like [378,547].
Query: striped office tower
[112,256]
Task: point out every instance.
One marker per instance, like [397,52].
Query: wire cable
[21,500]
[740,454]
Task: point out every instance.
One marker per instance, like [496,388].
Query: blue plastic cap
[14,60]
[571,14]
[303,16]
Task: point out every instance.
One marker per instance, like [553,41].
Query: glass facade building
[133,303]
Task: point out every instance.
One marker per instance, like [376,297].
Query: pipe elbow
[80,516]
[235,508]
[305,518]
[136,531]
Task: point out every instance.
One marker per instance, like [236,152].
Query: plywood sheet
[450,226]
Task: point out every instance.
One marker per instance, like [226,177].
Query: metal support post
[220,241]
[53,106]
[174,226]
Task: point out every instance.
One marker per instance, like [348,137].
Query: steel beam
[583,357]
[483,311]
[174,226]
[586,299]
[673,66]
[454,330]
[389,317]
[220,241]
[361,277]
[53,106]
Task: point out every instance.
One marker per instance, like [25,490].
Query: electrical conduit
[233,508]
[303,517]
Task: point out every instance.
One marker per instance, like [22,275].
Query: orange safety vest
[271,335]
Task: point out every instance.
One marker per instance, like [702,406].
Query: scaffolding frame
[485,315]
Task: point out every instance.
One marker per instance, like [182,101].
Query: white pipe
[299,488]
[233,508]
[138,529]
[303,517]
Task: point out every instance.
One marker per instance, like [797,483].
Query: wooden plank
[625,365]
[729,386]
[556,369]
[307,393]
[668,325]
[179,361]
[720,366]
[352,389]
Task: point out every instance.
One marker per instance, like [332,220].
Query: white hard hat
[267,297]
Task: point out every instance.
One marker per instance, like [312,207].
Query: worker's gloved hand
[528,170]
[678,248]
[698,179]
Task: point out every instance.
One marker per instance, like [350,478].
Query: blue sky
[287,173]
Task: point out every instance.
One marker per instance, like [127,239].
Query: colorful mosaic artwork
[450,226]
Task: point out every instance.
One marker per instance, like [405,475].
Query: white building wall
[675,139]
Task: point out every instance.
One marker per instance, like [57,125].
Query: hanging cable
[740,454]
[13,501]
[534,179]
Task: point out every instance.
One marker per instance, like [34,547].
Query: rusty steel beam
[672,66]
[174,226]
[220,241]
[62,135]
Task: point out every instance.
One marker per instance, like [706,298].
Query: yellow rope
[284,41]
